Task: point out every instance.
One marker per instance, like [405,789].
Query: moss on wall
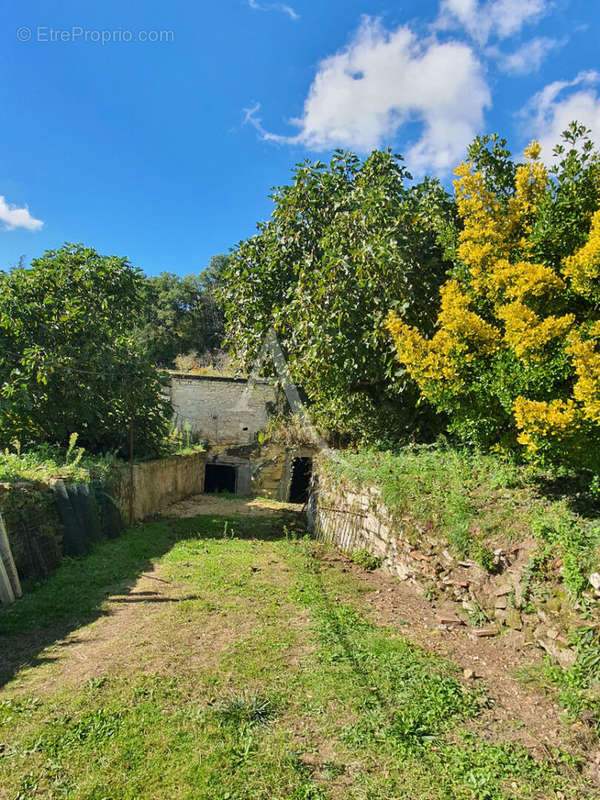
[34,529]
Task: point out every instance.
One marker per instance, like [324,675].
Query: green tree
[513,361]
[68,360]
[183,314]
[344,241]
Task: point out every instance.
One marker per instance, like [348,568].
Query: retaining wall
[45,521]
[156,484]
[34,529]
[354,518]
[222,411]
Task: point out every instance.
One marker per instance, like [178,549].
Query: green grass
[47,461]
[297,695]
[577,688]
[475,502]
[50,461]
[365,560]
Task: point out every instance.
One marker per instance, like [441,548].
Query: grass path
[222,658]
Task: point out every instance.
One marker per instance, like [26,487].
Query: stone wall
[34,529]
[222,411]
[355,518]
[157,484]
[45,521]
[228,414]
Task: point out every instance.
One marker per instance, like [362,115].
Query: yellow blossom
[503,302]
[526,333]
[462,336]
[525,279]
[587,368]
[533,150]
[583,268]
[539,420]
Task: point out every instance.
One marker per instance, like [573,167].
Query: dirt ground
[226,506]
[132,619]
[517,712]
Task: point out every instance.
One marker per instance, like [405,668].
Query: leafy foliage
[472,500]
[68,360]
[385,718]
[365,560]
[49,461]
[514,356]
[183,314]
[344,241]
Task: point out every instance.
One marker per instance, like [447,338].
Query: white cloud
[558,104]
[363,95]
[14,217]
[529,57]
[490,19]
[285,9]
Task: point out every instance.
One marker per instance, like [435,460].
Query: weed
[579,686]
[476,615]
[577,544]
[48,461]
[365,560]
[92,730]
[97,683]
[469,499]
[247,708]
[325,687]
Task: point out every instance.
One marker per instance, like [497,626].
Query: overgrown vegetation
[366,560]
[297,695]
[344,240]
[182,317]
[474,501]
[577,687]
[74,463]
[68,358]
[490,299]
[53,461]
[514,360]
[80,335]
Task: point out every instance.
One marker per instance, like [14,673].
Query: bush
[365,560]
[68,359]
[343,238]
[514,360]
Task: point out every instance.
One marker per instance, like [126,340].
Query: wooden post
[6,556]
[7,596]
[131,490]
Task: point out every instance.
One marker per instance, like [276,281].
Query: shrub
[68,359]
[514,359]
[343,238]
[365,560]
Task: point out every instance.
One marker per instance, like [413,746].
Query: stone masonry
[222,411]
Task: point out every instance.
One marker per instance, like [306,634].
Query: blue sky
[165,151]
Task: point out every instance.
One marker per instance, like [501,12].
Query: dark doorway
[301,475]
[219,478]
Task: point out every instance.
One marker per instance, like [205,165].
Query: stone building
[230,414]
[222,411]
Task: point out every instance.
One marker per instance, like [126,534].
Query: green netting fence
[46,523]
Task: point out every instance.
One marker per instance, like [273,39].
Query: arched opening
[300,483]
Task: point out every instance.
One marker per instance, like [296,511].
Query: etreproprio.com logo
[45,34]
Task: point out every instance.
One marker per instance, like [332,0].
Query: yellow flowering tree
[515,357]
